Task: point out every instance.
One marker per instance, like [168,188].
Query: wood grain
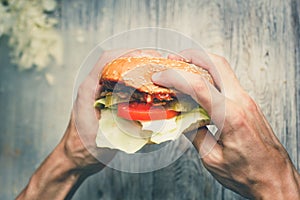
[259,38]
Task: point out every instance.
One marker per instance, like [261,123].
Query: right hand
[246,157]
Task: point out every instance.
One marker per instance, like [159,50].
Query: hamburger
[135,111]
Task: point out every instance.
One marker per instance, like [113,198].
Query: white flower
[49,5]
[32,34]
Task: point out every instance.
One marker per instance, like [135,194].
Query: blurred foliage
[32,33]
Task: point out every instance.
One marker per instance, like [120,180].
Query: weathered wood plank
[295,10]
[262,57]
[259,38]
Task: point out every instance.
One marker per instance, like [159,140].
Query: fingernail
[156,76]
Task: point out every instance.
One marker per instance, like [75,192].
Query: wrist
[63,171]
[78,154]
[54,179]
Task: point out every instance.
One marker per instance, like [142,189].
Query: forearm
[63,171]
[286,187]
[54,179]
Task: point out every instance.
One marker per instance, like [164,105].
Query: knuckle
[238,117]
[200,88]
[199,85]
[220,59]
[207,162]
[212,160]
[250,104]
[223,60]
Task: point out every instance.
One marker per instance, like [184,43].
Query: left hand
[73,159]
[79,140]
[76,156]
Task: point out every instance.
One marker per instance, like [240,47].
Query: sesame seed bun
[136,72]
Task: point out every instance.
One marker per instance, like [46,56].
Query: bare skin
[71,162]
[248,158]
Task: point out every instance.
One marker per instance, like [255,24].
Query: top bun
[136,72]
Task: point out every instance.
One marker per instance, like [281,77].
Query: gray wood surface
[259,38]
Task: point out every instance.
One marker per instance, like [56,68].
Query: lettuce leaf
[129,136]
[182,105]
[112,133]
[109,101]
[182,122]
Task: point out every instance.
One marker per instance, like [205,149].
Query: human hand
[79,141]
[73,159]
[245,156]
[76,156]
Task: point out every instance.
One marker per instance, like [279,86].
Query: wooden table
[259,38]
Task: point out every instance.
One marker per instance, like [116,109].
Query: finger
[108,57]
[231,85]
[85,114]
[90,86]
[217,66]
[104,59]
[112,55]
[177,57]
[201,59]
[206,144]
[198,88]
[98,91]
[86,121]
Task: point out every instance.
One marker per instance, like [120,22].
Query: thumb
[189,83]
[205,142]
[198,88]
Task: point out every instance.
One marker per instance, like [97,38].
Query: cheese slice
[182,122]
[111,135]
[128,136]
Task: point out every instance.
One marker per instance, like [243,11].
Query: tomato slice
[144,112]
